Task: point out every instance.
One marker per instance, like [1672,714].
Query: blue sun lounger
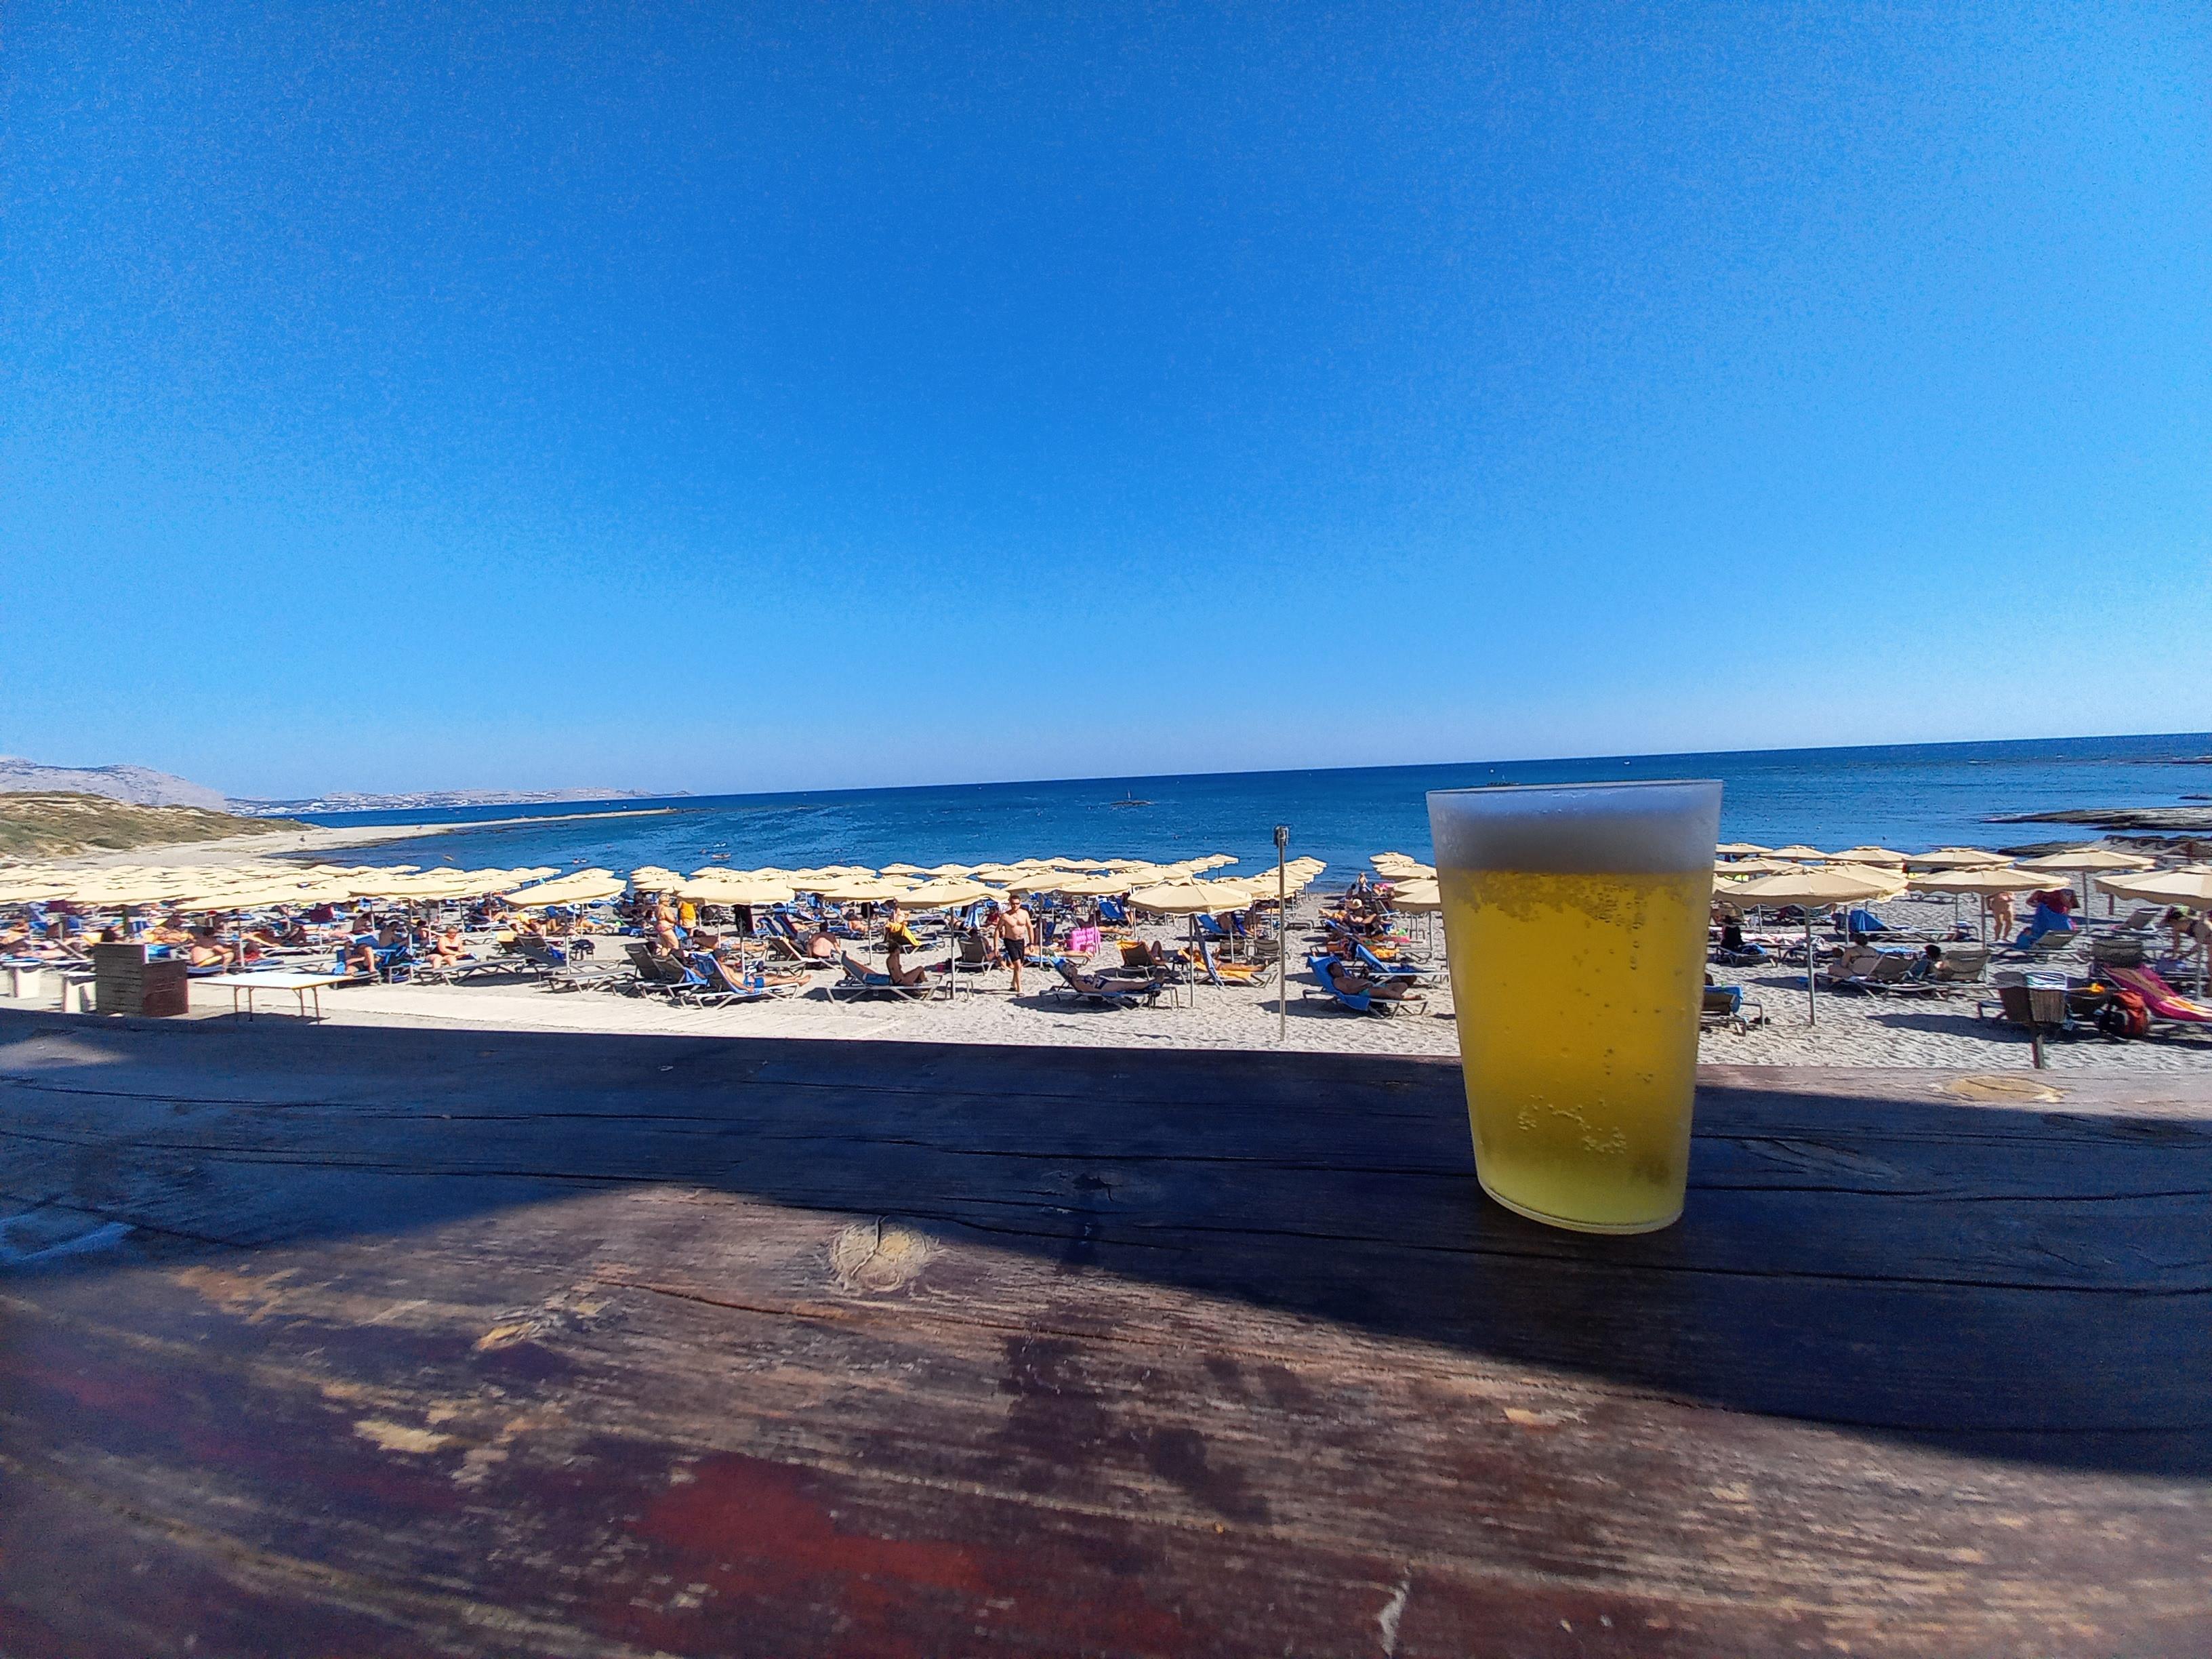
[1383,970]
[861,981]
[1360,1002]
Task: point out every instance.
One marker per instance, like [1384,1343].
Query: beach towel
[1383,970]
[2126,1015]
[2160,1000]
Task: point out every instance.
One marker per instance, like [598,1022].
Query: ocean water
[1908,797]
[1904,797]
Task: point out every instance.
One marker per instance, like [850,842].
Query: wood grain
[471,1342]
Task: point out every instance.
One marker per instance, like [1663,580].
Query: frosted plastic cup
[1575,922]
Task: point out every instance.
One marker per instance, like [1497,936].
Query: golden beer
[1578,991]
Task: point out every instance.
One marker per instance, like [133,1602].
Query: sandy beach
[1856,1030]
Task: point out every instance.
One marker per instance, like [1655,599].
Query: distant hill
[345,800]
[42,824]
[141,786]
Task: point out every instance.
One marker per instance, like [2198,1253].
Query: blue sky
[757,397]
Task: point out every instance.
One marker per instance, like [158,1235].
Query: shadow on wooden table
[2014,1280]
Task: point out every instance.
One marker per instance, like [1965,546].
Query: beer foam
[1661,828]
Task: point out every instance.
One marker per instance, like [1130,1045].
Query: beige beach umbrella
[1116,881]
[2087,857]
[857,891]
[1892,881]
[2189,887]
[738,890]
[1740,849]
[652,878]
[1422,897]
[952,870]
[1061,881]
[379,884]
[1981,882]
[904,870]
[1880,856]
[1813,890]
[1993,879]
[441,884]
[585,887]
[1802,854]
[156,890]
[1956,858]
[261,896]
[1191,898]
[2087,861]
[483,883]
[149,886]
[946,893]
[31,890]
[1745,868]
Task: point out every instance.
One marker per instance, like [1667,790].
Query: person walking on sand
[1016,930]
[1999,906]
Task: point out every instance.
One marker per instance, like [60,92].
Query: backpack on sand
[2126,1015]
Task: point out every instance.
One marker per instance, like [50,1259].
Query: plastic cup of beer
[1575,925]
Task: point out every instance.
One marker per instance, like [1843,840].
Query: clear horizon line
[1144,777]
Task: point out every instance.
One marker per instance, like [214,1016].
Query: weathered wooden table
[468,1342]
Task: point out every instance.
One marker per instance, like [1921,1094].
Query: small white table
[302,986]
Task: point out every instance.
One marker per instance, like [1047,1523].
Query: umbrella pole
[1811,1014]
[1282,933]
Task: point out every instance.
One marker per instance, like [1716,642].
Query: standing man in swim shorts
[1016,930]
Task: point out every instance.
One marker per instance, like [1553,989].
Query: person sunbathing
[1153,955]
[893,950]
[448,948]
[1113,983]
[735,972]
[1351,981]
[208,951]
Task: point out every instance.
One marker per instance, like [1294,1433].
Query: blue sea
[1910,796]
